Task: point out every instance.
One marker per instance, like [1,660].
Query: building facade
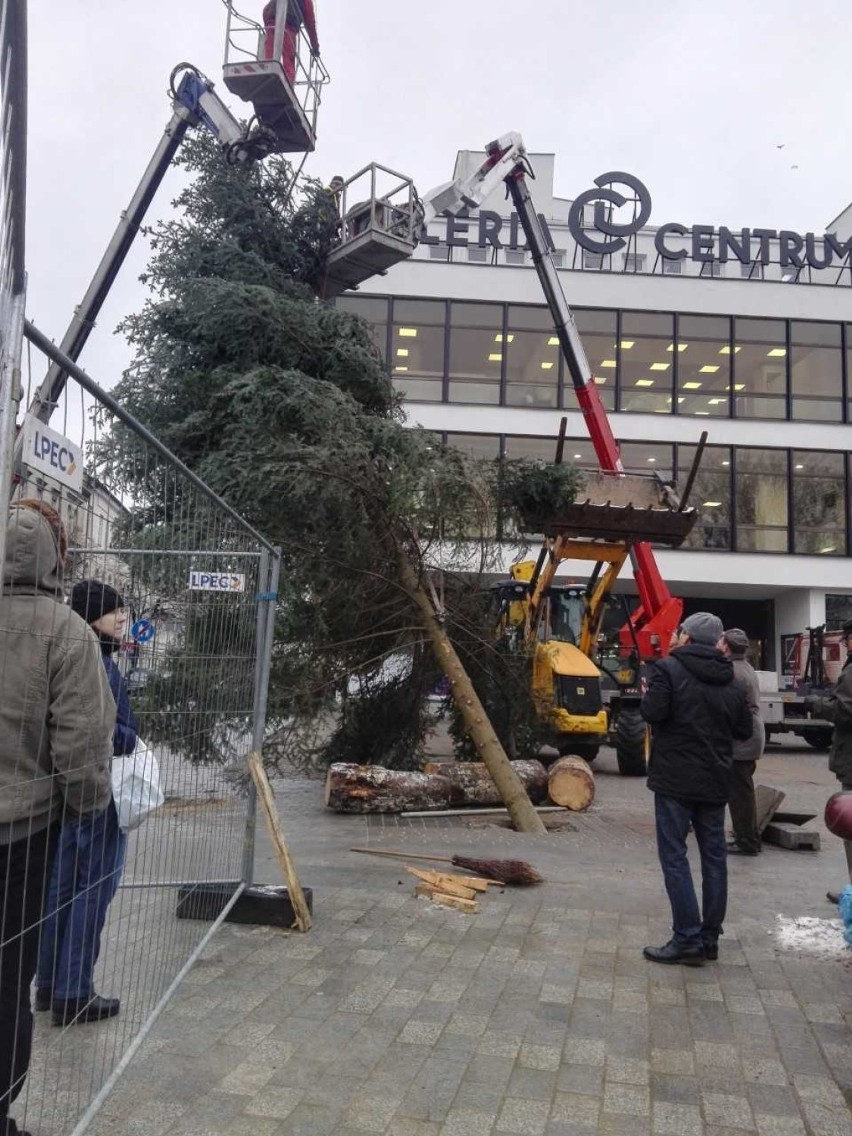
[746,334]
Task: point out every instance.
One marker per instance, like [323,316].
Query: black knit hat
[91,599]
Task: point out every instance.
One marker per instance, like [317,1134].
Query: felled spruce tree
[284,406]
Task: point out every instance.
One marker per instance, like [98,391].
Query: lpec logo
[52,455]
[702,243]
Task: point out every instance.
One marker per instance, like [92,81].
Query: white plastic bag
[136,786]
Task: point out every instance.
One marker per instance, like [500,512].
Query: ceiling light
[495,357]
[680,347]
[716,401]
[708,369]
[798,467]
[831,548]
[726,463]
[776,353]
[609,363]
[652,459]
[726,350]
[553,341]
[702,413]
[408,332]
[400,368]
[547,366]
[739,386]
[402,352]
[600,380]
[693,386]
[577,457]
[644,383]
[660,366]
[626,344]
[711,505]
[499,338]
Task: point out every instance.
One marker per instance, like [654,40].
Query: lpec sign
[673,241]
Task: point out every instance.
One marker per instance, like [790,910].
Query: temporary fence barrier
[190,658]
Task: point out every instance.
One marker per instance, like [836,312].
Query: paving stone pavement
[537,1016]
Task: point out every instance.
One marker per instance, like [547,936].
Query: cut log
[571,784]
[472,784]
[351,788]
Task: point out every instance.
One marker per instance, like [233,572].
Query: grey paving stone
[669,1119]
[524,1117]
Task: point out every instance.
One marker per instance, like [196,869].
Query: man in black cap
[837,708]
[695,710]
[746,842]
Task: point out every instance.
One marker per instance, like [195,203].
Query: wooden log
[571,784]
[285,860]
[351,788]
[472,784]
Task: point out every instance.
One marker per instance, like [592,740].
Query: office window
[558,257]
[532,358]
[417,349]
[760,368]
[672,267]
[816,371]
[761,500]
[515,256]
[485,446]
[439,252]
[819,505]
[648,457]
[703,359]
[751,271]
[711,268]
[476,352]
[592,260]
[710,496]
[374,310]
[645,363]
[597,328]
[477,255]
[634,261]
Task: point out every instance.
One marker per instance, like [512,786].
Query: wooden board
[469,906]
[791,836]
[444,882]
[766,802]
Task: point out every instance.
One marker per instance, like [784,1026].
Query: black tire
[818,737]
[587,750]
[631,743]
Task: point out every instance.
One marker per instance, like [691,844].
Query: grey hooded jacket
[57,712]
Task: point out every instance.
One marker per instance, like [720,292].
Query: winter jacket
[745,674]
[126,732]
[837,708]
[696,710]
[56,711]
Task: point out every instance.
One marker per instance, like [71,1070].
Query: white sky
[692,96]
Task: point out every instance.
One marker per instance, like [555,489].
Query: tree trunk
[472,784]
[514,797]
[351,788]
[571,784]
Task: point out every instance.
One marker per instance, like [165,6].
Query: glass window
[672,267]
[760,368]
[710,496]
[374,310]
[477,255]
[634,262]
[592,260]
[515,256]
[532,358]
[476,445]
[577,451]
[703,360]
[645,366]
[648,457]
[816,371]
[417,349]
[439,252]
[761,500]
[476,352]
[819,506]
[597,331]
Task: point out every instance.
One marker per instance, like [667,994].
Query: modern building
[687,327]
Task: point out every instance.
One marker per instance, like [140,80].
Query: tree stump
[351,788]
[472,784]
[571,784]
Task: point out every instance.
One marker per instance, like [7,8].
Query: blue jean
[86,872]
[674,817]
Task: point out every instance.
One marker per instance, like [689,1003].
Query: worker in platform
[299,13]
[837,708]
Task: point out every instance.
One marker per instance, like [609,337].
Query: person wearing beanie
[746,842]
[695,710]
[91,853]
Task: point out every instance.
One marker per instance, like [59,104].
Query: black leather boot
[80,1010]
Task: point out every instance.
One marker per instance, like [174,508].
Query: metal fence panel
[191,662]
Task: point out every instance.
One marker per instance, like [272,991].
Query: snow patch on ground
[823,937]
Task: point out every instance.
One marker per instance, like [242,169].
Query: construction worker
[299,12]
[837,708]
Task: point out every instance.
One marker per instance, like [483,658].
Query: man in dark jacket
[837,708]
[695,710]
[734,644]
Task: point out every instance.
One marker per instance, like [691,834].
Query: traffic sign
[142,630]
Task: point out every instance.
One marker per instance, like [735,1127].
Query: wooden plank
[444,882]
[766,802]
[791,836]
[285,862]
[469,906]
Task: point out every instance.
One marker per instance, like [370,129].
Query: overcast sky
[692,96]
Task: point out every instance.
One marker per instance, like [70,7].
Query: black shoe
[735,849]
[43,998]
[674,952]
[79,1010]
[833,897]
[711,951]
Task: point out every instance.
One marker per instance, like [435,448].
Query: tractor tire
[587,750]
[818,737]
[631,743]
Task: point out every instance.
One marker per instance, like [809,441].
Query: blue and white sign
[217,582]
[143,630]
[52,455]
